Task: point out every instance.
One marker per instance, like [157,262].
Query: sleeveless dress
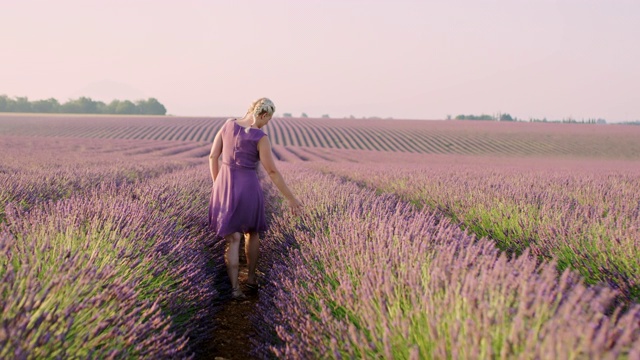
[237,201]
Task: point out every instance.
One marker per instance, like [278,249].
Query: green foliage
[571,120]
[45,106]
[125,107]
[151,106]
[475,117]
[506,117]
[82,105]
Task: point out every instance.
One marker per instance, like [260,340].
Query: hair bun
[262,106]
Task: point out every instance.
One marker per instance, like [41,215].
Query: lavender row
[584,217]
[362,275]
[110,269]
[34,172]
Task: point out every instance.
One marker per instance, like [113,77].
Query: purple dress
[237,201]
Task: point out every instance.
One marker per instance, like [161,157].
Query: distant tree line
[303,115]
[475,117]
[82,105]
[499,117]
[508,117]
[571,120]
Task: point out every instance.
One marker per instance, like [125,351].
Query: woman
[237,203]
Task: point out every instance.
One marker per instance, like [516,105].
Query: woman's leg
[231,257]
[252,250]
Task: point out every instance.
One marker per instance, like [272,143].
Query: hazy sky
[393,58]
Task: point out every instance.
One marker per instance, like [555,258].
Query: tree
[4,103]
[46,106]
[325,115]
[304,115]
[286,114]
[82,105]
[150,106]
[86,105]
[475,117]
[102,107]
[506,117]
[111,108]
[155,107]
[22,105]
[126,107]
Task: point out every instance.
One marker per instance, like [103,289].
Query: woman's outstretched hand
[296,206]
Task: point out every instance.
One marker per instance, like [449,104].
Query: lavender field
[583,214]
[513,241]
[399,282]
[102,250]
[310,135]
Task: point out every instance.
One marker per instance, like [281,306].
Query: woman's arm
[266,158]
[216,150]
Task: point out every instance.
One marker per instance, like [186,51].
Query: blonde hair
[260,107]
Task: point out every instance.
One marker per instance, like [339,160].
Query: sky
[396,58]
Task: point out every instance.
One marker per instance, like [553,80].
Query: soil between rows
[232,329]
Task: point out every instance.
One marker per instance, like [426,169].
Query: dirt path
[232,328]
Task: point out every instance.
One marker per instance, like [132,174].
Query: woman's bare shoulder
[227,122]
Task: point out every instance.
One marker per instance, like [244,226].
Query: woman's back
[240,148]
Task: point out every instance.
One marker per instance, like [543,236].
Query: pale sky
[394,58]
